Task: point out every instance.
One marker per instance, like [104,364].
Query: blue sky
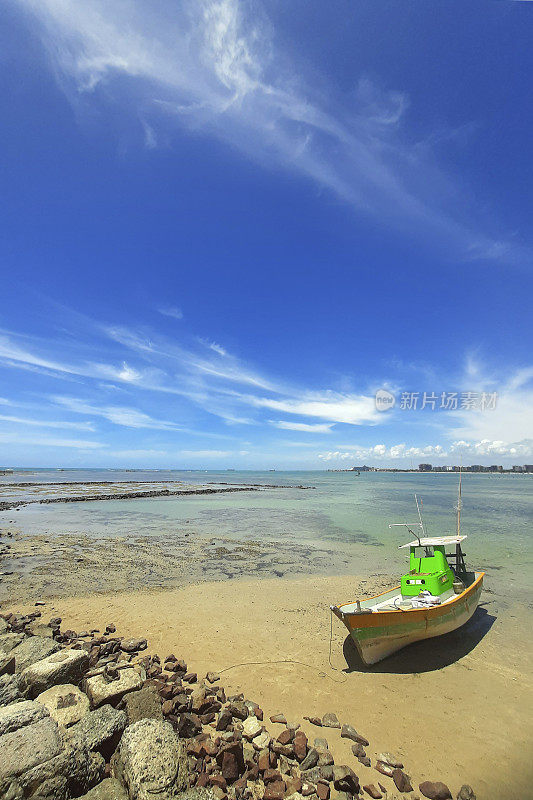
[226,225]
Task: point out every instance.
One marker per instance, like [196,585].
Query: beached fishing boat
[436,596]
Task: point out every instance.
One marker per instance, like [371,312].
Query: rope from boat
[321,673]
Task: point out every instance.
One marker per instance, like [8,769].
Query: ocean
[343,514]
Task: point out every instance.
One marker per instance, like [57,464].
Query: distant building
[361,469]
[425,467]
[528,467]
[518,468]
[477,468]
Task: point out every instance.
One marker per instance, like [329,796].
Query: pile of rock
[90,715]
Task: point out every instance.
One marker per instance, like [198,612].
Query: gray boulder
[7,663]
[69,774]
[143,704]
[29,746]
[65,703]
[99,730]
[100,691]
[66,666]
[10,689]
[197,793]
[33,649]
[151,761]
[8,641]
[36,763]
[18,715]
[109,789]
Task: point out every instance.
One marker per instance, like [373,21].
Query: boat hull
[382,633]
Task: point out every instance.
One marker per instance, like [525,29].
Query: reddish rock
[311,760]
[349,732]
[230,759]
[230,768]
[212,677]
[259,713]
[189,725]
[238,709]
[364,760]
[271,775]
[345,779]
[166,692]
[435,790]
[403,784]
[313,721]
[466,793]
[176,666]
[171,657]
[189,677]
[224,719]
[216,779]
[274,791]
[299,745]
[358,750]
[386,770]
[372,791]
[278,718]
[203,780]
[167,707]
[330,721]
[282,749]
[286,736]
[206,719]
[263,760]
[322,790]
[307,789]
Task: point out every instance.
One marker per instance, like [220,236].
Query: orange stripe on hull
[378,619]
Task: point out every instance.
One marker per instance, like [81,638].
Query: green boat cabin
[429,569]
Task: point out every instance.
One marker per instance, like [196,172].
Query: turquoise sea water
[343,512]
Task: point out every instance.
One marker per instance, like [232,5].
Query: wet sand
[456,709]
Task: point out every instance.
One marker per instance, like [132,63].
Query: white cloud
[206,453]
[32,441]
[118,415]
[335,407]
[381,452]
[320,427]
[512,418]
[171,311]
[41,423]
[215,65]
[486,447]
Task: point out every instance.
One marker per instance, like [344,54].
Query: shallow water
[344,513]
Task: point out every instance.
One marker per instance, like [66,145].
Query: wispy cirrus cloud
[305,427]
[217,66]
[52,442]
[118,415]
[43,423]
[171,311]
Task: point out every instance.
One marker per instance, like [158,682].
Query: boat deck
[390,601]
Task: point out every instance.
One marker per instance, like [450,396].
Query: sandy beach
[270,640]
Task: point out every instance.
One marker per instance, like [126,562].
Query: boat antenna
[421,523]
[459,505]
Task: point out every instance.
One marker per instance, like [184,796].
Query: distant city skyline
[229,239]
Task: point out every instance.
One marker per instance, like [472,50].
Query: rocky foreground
[88,715]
